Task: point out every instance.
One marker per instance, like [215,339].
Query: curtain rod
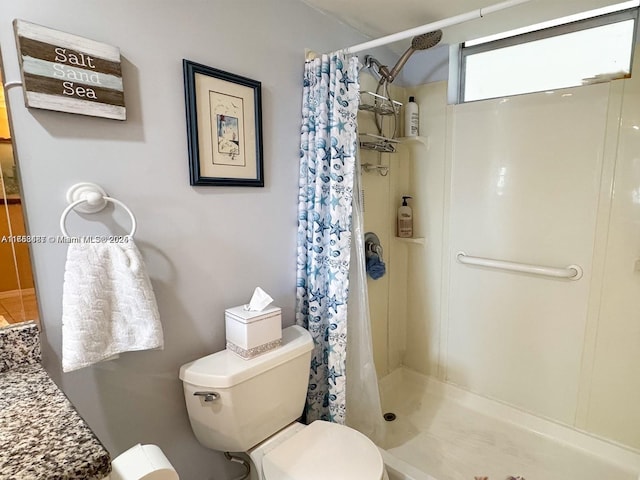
[430,27]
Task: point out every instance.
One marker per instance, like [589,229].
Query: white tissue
[259,301]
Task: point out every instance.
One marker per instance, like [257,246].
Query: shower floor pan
[442,432]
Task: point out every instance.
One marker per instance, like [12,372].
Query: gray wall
[206,248]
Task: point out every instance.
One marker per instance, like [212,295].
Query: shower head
[420,42]
[426,40]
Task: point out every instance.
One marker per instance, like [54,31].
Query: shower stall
[488,372]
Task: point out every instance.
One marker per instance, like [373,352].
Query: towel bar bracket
[90,192]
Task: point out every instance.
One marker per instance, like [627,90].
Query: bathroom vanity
[41,435]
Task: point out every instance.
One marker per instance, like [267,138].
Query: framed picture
[224,127]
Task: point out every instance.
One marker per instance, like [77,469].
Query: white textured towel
[108,305]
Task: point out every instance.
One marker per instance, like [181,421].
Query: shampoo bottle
[405,219]
[411,118]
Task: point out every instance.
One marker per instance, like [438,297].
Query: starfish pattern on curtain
[327,157]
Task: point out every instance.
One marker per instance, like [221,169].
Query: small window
[587,51]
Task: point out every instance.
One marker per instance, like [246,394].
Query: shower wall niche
[393,299]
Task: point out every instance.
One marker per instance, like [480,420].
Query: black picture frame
[224,127]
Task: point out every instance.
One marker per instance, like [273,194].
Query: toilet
[251,406]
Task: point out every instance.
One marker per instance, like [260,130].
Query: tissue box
[251,333]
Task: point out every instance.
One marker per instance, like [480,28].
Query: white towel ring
[96,199]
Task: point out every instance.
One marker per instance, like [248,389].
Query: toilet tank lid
[225,369]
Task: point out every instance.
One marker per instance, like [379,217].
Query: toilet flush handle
[208,396]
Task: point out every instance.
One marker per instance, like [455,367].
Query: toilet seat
[322,451]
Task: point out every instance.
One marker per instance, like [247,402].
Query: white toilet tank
[234,404]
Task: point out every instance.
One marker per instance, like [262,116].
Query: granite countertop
[41,435]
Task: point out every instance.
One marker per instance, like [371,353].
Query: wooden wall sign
[68,73]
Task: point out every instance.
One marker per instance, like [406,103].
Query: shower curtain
[364,412]
[327,151]
[328,148]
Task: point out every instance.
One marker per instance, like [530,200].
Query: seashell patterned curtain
[328,149]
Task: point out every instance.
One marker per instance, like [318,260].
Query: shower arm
[390,76]
[383,71]
[370,61]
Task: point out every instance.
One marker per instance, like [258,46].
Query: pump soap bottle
[405,219]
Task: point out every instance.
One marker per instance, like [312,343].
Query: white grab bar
[572,272]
